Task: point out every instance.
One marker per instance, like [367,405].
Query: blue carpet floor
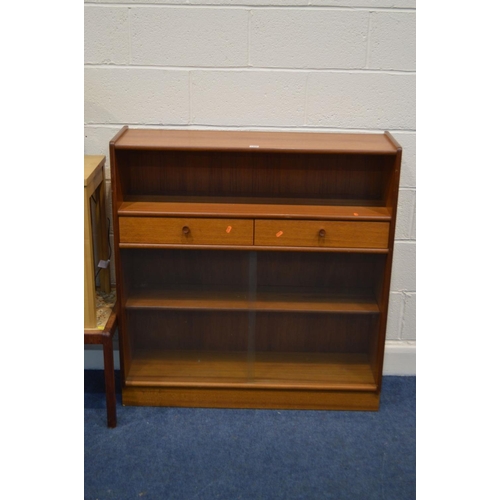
[180,453]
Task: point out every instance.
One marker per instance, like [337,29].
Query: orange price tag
[228,229]
[279,233]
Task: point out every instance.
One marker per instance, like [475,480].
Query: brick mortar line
[129,26]
[247,69]
[246,6]
[270,128]
[405,241]
[368,40]
[306,99]
[402,341]
[249,40]
[190,114]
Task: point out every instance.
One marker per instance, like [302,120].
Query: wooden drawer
[329,234]
[189,231]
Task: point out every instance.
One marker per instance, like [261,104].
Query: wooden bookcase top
[207,140]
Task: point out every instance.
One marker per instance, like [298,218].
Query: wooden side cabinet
[94,188]
[100,319]
[253,268]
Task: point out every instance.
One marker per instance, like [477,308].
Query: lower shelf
[265,299]
[261,370]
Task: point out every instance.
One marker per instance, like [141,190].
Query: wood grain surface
[321,234]
[192,231]
[264,370]
[255,141]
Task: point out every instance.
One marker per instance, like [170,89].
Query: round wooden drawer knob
[322,233]
[186,230]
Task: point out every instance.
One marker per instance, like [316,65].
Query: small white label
[253,146]
[103,264]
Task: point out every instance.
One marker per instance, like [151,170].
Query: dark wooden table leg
[109,377]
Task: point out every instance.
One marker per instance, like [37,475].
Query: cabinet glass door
[315,319]
[187,316]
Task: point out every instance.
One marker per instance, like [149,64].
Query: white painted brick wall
[395,319]
[404,266]
[405,226]
[189,37]
[281,38]
[409,317]
[392,41]
[304,65]
[136,96]
[408,162]
[248,98]
[106,35]
[361,100]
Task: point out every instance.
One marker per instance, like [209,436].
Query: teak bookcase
[253,268]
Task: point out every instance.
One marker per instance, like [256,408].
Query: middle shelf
[277,299]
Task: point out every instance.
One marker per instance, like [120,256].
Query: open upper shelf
[291,175]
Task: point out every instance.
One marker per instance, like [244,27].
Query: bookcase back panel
[160,268]
[338,274]
[309,333]
[166,330]
[232,331]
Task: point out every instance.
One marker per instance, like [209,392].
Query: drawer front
[188,231]
[328,234]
